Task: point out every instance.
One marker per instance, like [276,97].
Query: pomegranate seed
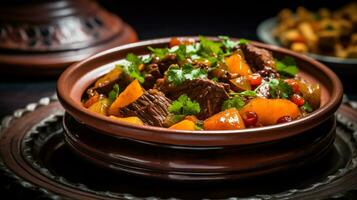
[255,79]
[284,119]
[293,84]
[250,118]
[297,99]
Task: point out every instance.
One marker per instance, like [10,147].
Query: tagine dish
[203,85]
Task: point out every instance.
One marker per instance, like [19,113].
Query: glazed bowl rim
[196,138]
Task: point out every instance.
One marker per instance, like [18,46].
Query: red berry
[250,118]
[284,119]
[293,84]
[297,99]
[254,79]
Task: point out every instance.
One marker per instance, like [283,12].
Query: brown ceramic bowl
[192,155]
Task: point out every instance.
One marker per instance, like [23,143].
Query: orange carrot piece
[92,100]
[100,107]
[133,120]
[131,93]
[110,76]
[229,119]
[237,65]
[270,110]
[184,125]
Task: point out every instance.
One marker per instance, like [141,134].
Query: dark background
[153,19]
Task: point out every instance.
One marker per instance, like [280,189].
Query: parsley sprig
[287,66]
[131,67]
[235,102]
[230,44]
[114,93]
[279,89]
[177,75]
[184,106]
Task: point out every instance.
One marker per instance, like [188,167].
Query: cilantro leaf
[199,126]
[249,93]
[131,67]
[228,43]
[243,41]
[177,75]
[146,59]
[307,107]
[159,52]
[181,52]
[134,59]
[209,46]
[114,93]
[184,106]
[279,89]
[287,66]
[235,102]
[172,119]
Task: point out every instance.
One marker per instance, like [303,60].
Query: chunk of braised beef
[165,62]
[151,108]
[257,58]
[260,60]
[123,80]
[209,94]
[268,72]
[152,73]
[201,64]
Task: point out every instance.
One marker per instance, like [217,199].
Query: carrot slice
[100,106]
[237,65]
[133,120]
[92,100]
[229,119]
[131,93]
[270,110]
[110,76]
[184,125]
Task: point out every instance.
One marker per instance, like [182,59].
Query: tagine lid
[44,37]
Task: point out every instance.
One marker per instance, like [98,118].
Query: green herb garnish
[279,89]
[228,43]
[184,106]
[131,67]
[173,119]
[177,75]
[199,126]
[248,93]
[307,107]
[114,93]
[181,53]
[134,59]
[210,47]
[287,66]
[159,52]
[235,102]
[243,41]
